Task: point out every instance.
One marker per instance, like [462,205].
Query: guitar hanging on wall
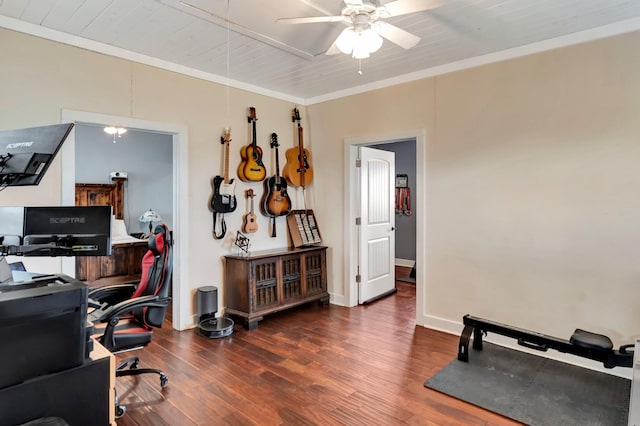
[249,221]
[251,167]
[276,201]
[298,170]
[224,199]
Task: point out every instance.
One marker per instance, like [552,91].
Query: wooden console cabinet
[273,280]
[124,264]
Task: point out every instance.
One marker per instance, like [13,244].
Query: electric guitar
[298,170]
[224,199]
[276,201]
[249,224]
[251,168]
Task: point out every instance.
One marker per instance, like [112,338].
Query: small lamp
[149,217]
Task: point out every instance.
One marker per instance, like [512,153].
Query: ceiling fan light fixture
[346,40]
[115,130]
[367,26]
[372,40]
[365,43]
[359,44]
[360,53]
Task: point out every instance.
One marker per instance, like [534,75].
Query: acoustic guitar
[249,220]
[224,199]
[298,170]
[276,201]
[251,168]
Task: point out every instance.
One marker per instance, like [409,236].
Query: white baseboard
[337,299]
[405,262]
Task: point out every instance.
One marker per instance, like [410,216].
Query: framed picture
[402,181]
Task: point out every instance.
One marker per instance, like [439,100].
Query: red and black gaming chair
[125,315]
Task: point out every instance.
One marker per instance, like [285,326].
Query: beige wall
[535,170]
[40,78]
[408,106]
[533,212]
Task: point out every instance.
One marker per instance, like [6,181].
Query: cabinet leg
[250,325]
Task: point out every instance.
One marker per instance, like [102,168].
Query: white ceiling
[288,61]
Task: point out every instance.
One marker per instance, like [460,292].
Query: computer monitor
[25,154]
[55,231]
[78,230]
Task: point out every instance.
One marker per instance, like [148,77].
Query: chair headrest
[158,239]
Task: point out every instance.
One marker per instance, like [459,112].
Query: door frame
[352,200]
[181,312]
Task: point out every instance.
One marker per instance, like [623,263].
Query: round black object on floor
[214,328]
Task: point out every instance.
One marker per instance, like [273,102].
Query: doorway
[181,315]
[352,201]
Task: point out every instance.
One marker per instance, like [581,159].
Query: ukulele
[251,168]
[298,170]
[249,224]
[224,199]
[276,201]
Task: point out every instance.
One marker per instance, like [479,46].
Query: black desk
[82,395]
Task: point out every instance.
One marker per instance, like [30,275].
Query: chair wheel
[120,410]
[163,381]
[135,364]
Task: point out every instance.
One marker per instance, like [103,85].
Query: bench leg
[477,339]
[463,346]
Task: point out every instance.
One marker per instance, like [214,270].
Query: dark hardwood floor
[313,365]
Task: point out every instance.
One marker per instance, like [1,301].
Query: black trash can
[207,306]
[207,302]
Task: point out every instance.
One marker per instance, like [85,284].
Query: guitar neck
[254,141]
[300,144]
[253,118]
[225,141]
[226,162]
[277,167]
[302,159]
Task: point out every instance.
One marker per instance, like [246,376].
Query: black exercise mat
[535,390]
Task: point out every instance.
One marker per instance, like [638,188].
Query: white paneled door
[377,224]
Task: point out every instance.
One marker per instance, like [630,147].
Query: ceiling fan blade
[396,35]
[310,20]
[402,7]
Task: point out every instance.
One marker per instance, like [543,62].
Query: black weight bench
[582,343]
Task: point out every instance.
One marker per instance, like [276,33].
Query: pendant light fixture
[115,132]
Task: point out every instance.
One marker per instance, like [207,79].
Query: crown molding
[610,30]
[617,28]
[106,49]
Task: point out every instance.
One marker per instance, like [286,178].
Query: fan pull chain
[359,66]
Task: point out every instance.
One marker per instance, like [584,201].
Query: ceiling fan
[366,25]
